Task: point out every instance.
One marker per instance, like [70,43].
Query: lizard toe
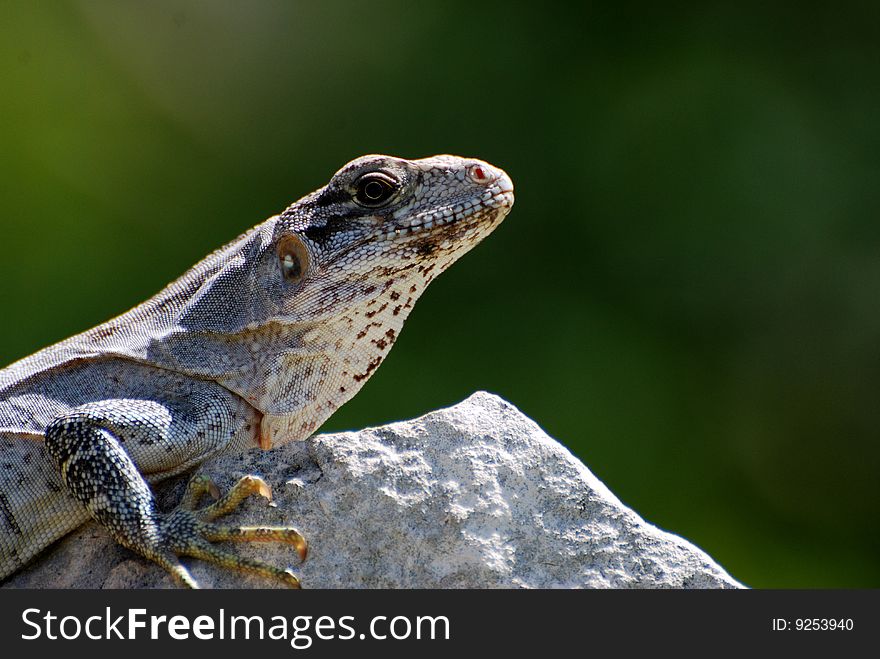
[197,487]
[285,534]
[212,554]
[243,488]
[172,565]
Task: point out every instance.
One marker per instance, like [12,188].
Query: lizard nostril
[479,174]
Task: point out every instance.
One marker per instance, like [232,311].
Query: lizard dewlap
[257,344]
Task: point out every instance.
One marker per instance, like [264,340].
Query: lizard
[254,346]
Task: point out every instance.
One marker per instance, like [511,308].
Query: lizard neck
[303,374]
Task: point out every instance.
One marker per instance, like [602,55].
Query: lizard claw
[190,532]
[262,488]
[213,490]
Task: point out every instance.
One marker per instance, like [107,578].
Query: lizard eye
[293,257]
[374,189]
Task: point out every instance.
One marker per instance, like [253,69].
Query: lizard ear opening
[293,258]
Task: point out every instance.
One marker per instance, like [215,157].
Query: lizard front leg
[107,451]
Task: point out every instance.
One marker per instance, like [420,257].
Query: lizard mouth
[483,210]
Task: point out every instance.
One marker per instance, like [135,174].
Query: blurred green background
[686,292]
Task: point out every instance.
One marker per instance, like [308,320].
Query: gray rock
[473,496]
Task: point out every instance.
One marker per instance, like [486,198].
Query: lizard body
[257,344]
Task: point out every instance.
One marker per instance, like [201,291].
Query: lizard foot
[190,532]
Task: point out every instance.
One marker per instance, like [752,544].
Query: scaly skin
[257,344]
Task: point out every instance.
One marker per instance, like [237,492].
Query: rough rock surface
[473,496]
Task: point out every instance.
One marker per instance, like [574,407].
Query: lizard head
[382,218]
[300,311]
